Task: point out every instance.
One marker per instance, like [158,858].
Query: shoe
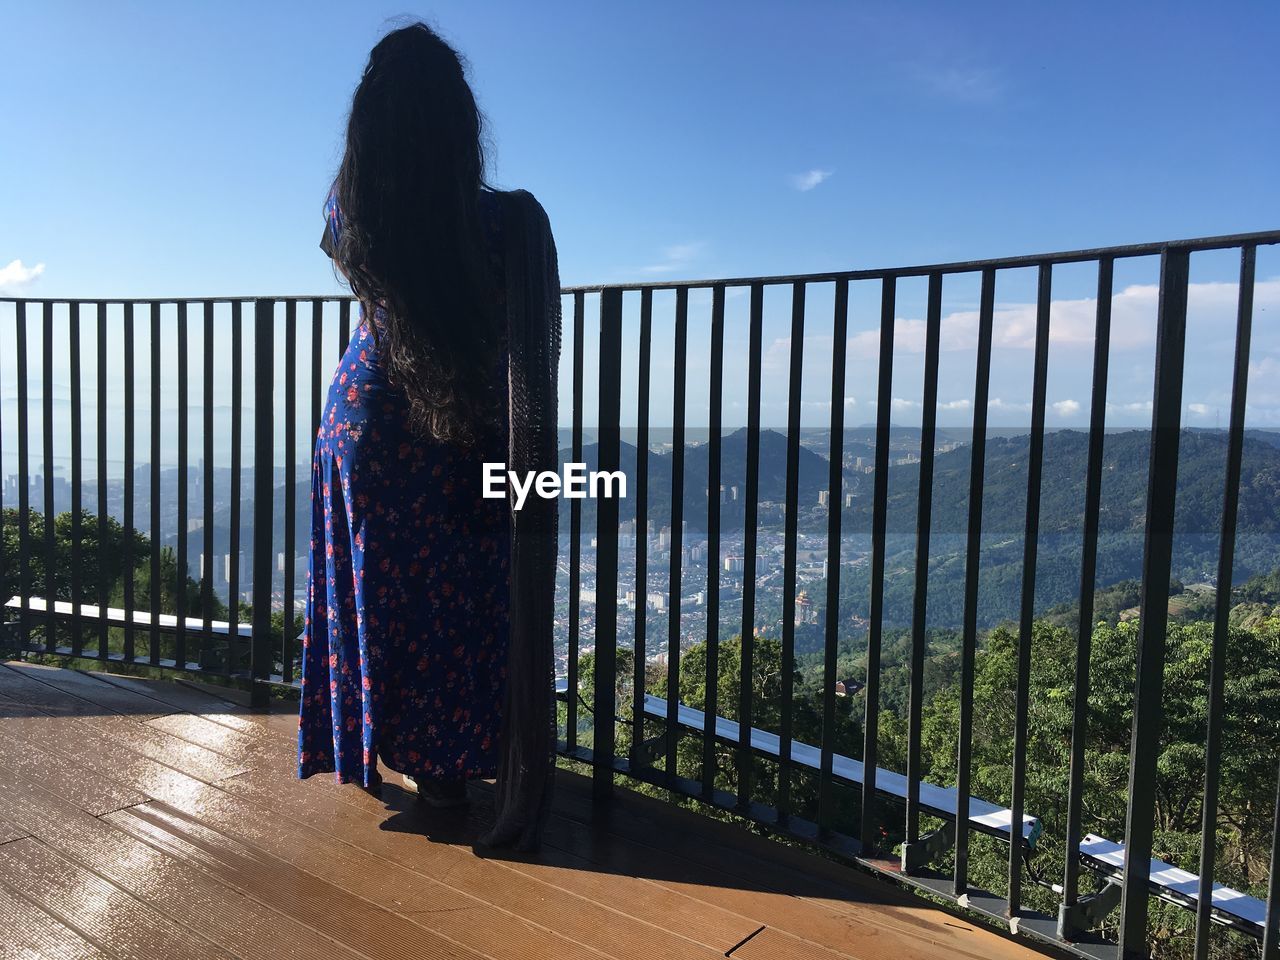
[440,793]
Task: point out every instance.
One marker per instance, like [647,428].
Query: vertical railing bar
[237,403]
[1157,557]
[711,704]
[875,629]
[77,477]
[50,511]
[157,587]
[973,558]
[1216,711]
[105,559]
[676,544]
[835,503]
[180,587]
[919,605]
[1271,924]
[1030,543]
[1088,577]
[260,646]
[317,385]
[317,360]
[24,474]
[786,731]
[290,483]
[17,563]
[206,491]
[575,533]
[749,539]
[344,326]
[603,747]
[129,438]
[639,644]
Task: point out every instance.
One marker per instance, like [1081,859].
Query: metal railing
[213,644]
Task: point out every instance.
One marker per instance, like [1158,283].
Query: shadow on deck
[154,818]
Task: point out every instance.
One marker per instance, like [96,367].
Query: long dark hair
[411,244]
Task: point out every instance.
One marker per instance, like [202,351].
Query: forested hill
[1201,469]
[1199,501]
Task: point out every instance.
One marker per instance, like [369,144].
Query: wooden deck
[147,819]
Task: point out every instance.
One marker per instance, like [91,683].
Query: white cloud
[809,179]
[1066,408]
[1137,406]
[1199,409]
[675,257]
[999,404]
[962,404]
[964,84]
[1267,366]
[1133,321]
[15,275]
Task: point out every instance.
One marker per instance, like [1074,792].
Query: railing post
[605,707]
[260,646]
[1171,329]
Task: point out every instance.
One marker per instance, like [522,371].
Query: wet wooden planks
[176,815]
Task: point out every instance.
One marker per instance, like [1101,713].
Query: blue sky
[159,149]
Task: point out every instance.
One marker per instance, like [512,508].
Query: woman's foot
[439,793]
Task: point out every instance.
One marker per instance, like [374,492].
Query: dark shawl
[526,764]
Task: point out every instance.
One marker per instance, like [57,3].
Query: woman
[427,642]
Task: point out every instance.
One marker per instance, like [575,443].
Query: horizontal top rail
[1230,241]
[1226,242]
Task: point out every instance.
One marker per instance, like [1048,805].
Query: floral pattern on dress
[405,634]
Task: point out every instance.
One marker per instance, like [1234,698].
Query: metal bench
[935,800]
[1105,857]
[1172,884]
[140,620]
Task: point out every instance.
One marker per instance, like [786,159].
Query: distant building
[848,688]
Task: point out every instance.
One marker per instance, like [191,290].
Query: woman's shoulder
[520,202]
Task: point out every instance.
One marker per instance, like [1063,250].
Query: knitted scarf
[527,744]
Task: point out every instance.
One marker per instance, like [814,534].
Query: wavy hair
[411,245]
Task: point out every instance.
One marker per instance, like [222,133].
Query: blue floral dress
[405,635]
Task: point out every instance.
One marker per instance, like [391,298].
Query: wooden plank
[102,912]
[712,928]
[177,695]
[697,903]
[352,920]
[580,881]
[708,884]
[238,697]
[407,865]
[91,792]
[471,882]
[770,944]
[110,698]
[199,701]
[753,863]
[236,745]
[245,927]
[9,833]
[23,696]
[44,701]
[30,933]
[707,918]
